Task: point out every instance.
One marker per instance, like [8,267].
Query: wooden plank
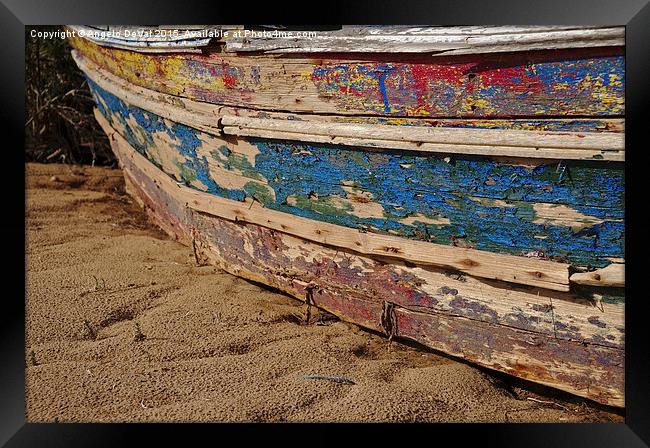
[307,44]
[508,268]
[228,167]
[557,315]
[199,115]
[596,373]
[395,39]
[497,206]
[445,40]
[482,137]
[612,275]
[567,212]
[523,84]
[483,150]
[206,116]
[227,172]
[355,288]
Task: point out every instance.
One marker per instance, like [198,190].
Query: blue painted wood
[309,180]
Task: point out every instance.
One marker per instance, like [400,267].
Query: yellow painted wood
[313,128]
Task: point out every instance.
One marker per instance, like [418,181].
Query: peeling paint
[354,287]
[525,84]
[492,205]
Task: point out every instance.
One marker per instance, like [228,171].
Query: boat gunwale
[433,40]
[229,120]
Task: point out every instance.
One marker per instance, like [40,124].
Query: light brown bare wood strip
[463,136]
[509,268]
[446,148]
[612,275]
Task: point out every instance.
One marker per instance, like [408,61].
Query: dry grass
[60,126]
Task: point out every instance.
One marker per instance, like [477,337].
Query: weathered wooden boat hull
[483,322]
[483,232]
[524,209]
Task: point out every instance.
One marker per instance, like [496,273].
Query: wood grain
[351,39]
[508,268]
[612,275]
[416,135]
[569,212]
[519,84]
[435,40]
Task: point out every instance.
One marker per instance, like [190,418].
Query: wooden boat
[462,187]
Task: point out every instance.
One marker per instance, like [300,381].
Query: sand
[122,325]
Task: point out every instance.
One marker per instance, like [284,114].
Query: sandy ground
[123,326]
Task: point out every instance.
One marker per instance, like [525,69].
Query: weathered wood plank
[446,40]
[206,116]
[425,289]
[593,372]
[554,83]
[573,213]
[509,151]
[355,288]
[485,137]
[612,275]
[394,39]
[530,271]
[229,169]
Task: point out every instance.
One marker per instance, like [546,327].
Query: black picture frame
[15,15]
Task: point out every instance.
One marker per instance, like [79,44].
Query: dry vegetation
[59,126]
